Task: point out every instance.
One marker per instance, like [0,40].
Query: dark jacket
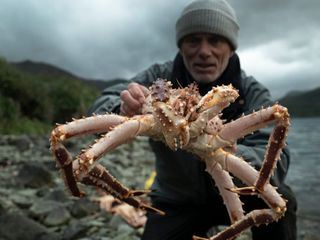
[180,175]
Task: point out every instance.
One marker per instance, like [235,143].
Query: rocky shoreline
[35,205]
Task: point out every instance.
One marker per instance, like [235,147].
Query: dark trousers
[182,222]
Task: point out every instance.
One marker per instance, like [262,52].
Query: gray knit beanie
[208,16]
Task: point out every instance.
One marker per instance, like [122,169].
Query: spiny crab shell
[175,109]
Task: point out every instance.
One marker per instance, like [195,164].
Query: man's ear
[231,54]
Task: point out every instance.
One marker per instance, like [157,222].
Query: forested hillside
[303,104]
[32,103]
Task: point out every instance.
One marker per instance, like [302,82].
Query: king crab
[182,119]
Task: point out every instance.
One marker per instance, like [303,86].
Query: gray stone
[22,143]
[97,223]
[5,204]
[34,176]
[84,207]
[5,161]
[124,228]
[311,237]
[42,207]
[57,216]
[75,230]
[104,231]
[2,207]
[18,227]
[59,195]
[115,222]
[28,192]
[125,237]
[23,202]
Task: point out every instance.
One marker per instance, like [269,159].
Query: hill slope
[45,69]
[31,103]
[303,104]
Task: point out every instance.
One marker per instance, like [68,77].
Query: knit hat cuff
[207,21]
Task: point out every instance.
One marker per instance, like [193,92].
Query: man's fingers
[129,100]
[131,215]
[106,202]
[138,92]
[126,111]
[145,90]
[133,99]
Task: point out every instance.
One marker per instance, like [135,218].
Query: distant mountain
[303,103]
[39,68]
[45,69]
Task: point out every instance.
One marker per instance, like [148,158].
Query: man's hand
[133,99]
[134,217]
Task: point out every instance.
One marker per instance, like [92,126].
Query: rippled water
[304,172]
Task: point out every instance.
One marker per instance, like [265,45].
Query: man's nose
[204,49]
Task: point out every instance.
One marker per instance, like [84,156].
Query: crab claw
[220,96]
[138,204]
[175,128]
[64,163]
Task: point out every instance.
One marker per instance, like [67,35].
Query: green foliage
[32,104]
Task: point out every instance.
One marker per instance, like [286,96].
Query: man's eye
[192,40]
[216,40]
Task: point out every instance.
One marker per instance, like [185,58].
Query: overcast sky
[278,44]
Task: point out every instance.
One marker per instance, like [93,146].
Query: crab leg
[122,133]
[254,121]
[85,169]
[249,176]
[100,177]
[276,142]
[85,126]
[224,182]
[255,217]
[88,171]
[89,125]
[64,163]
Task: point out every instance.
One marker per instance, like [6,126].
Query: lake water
[304,172]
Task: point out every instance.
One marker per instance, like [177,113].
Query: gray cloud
[107,39]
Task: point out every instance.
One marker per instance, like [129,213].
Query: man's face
[205,56]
